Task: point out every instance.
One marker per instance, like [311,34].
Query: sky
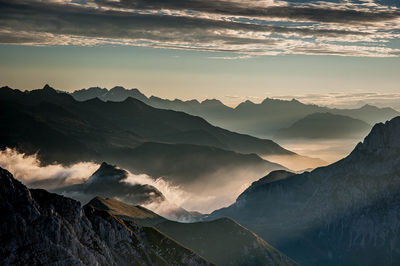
[326,52]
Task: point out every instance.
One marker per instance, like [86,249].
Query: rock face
[41,228]
[347,213]
[222,241]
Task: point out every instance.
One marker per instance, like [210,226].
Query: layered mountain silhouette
[133,135]
[116,94]
[130,122]
[39,227]
[42,228]
[325,126]
[113,182]
[262,119]
[223,241]
[344,214]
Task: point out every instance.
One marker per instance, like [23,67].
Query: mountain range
[45,228]
[263,119]
[346,213]
[182,148]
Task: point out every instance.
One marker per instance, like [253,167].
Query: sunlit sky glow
[328,52]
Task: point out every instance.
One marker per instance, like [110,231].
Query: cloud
[247,28]
[28,170]
[348,100]
[270,9]
[84,181]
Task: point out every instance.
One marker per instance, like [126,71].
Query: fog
[328,150]
[28,170]
[214,191]
[297,163]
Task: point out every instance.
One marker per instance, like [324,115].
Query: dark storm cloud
[197,25]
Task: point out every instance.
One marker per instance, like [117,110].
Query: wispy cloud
[348,100]
[248,28]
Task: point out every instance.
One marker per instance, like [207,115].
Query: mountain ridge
[44,228]
[260,119]
[223,241]
[342,214]
[119,133]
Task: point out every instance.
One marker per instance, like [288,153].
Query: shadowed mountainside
[344,214]
[43,228]
[223,241]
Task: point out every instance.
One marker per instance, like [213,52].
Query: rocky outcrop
[41,228]
[347,213]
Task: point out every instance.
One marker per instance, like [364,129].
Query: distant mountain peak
[107,173]
[48,88]
[5,88]
[118,88]
[212,101]
[369,106]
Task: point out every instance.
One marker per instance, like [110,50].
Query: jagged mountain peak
[108,173]
[345,209]
[212,101]
[48,88]
[383,137]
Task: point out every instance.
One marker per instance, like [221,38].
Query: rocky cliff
[41,228]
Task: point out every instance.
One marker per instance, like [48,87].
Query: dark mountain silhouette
[116,94]
[344,214]
[325,126]
[262,119]
[61,129]
[42,228]
[110,181]
[130,121]
[223,241]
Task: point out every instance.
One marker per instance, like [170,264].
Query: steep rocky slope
[347,213]
[222,241]
[41,228]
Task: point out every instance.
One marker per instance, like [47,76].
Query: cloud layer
[248,28]
[82,182]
